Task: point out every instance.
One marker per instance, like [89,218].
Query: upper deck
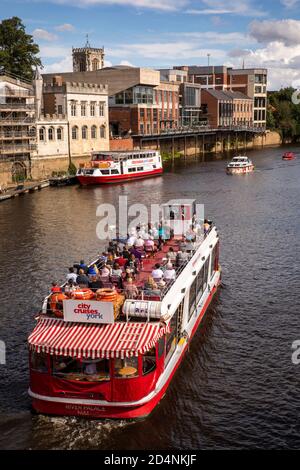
[126,155]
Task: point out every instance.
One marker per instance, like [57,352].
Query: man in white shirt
[157,273]
[71,275]
[170,273]
[139,243]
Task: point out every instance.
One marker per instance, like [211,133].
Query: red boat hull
[87,180]
[45,405]
[289,156]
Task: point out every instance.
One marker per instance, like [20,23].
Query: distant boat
[288,156]
[240,165]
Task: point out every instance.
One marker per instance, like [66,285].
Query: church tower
[87,58]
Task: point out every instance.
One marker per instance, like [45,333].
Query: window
[84,132]
[38,362]
[50,133]
[102,132]
[171,338]
[42,134]
[94,132]
[142,113]
[149,361]
[101,108]
[114,172]
[73,109]
[83,109]
[95,64]
[131,170]
[74,132]
[161,346]
[85,370]
[126,368]
[59,133]
[92,109]
[192,298]
[105,172]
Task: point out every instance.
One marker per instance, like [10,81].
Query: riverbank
[23,188]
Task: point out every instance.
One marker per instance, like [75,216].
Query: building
[250,82]
[190,112]
[17,133]
[226,108]
[87,58]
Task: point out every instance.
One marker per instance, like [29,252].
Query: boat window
[161,346]
[38,362]
[126,368]
[105,172]
[199,284]
[131,170]
[149,361]
[214,260]
[140,168]
[114,172]
[171,338]
[192,298]
[90,370]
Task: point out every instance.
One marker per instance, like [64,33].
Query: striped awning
[54,336]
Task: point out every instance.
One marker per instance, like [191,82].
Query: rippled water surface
[237,386]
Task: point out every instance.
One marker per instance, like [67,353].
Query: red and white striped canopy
[54,336]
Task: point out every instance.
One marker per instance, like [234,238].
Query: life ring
[56,304]
[83,294]
[106,295]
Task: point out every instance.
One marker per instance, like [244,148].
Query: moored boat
[107,355]
[288,156]
[240,165]
[115,167]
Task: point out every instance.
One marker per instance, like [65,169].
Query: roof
[227,94]
[120,339]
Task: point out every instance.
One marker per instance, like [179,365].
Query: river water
[237,386]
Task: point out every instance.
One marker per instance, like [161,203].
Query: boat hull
[95,180]
[240,171]
[92,409]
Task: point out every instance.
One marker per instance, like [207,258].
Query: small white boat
[240,165]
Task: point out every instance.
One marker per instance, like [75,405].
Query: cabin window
[161,347]
[140,168]
[214,260]
[199,284]
[38,362]
[192,298]
[149,361]
[172,337]
[131,170]
[91,370]
[105,172]
[114,172]
[126,368]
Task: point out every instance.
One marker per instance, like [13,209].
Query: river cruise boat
[288,156]
[113,353]
[240,165]
[115,167]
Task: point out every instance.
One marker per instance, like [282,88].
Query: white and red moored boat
[288,156]
[100,355]
[113,167]
[240,165]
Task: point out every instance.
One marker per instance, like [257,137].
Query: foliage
[72,170]
[18,51]
[283,114]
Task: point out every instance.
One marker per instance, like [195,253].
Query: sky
[163,33]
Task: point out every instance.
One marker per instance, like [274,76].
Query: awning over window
[54,336]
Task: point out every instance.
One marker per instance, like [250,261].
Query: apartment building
[226,108]
[17,133]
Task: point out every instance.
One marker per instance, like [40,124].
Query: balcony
[14,149]
[16,107]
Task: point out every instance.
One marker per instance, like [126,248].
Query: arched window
[74,132]
[95,64]
[102,132]
[84,132]
[73,109]
[42,134]
[59,133]
[50,133]
[94,132]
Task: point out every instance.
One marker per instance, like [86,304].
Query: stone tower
[38,92]
[87,58]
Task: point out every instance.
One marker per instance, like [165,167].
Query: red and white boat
[87,361]
[113,167]
[288,156]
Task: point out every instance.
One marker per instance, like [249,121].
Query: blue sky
[168,32]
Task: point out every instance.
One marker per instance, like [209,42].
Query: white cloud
[126,62]
[54,52]
[64,65]
[65,27]
[164,5]
[212,37]
[286,31]
[289,3]
[223,7]
[44,35]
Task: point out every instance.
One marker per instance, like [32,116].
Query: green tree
[18,51]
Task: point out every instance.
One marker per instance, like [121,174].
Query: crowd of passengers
[120,264]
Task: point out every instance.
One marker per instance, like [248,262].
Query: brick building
[226,108]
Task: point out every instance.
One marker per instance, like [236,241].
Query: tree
[18,51]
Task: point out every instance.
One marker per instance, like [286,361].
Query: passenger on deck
[206,227]
[55,288]
[103,257]
[157,272]
[139,243]
[70,287]
[151,287]
[132,264]
[136,252]
[105,271]
[170,273]
[149,246]
[95,283]
[93,270]
[171,255]
[183,244]
[131,291]
[81,265]
[131,240]
[190,235]
[190,246]
[82,279]
[116,270]
[181,258]
[71,275]
[110,260]
[126,252]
